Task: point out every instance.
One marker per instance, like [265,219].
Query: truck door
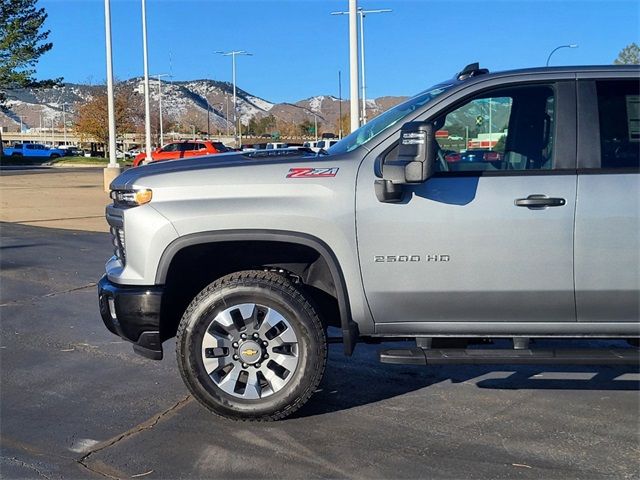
[607,227]
[490,237]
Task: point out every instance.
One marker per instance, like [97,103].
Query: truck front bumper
[133,313]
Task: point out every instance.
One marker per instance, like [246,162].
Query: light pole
[64,123]
[193,131]
[159,76]
[573,45]
[147,106]
[20,117]
[340,104]
[221,110]
[112,170]
[353,63]
[208,120]
[226,117]
[362,13]
[233,54]
[315,125]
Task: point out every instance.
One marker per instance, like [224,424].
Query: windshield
[382,122]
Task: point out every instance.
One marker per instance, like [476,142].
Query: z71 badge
[305,172]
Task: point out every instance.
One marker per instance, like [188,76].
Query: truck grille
[119,250]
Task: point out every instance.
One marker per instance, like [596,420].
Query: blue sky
[298,47]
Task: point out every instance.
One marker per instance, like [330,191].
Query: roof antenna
[471,70]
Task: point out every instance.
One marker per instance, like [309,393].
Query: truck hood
[132,176]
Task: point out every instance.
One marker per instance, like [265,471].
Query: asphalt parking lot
[76,402]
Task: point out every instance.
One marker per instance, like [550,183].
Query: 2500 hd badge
[410,258]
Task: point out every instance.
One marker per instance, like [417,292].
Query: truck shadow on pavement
[362,379]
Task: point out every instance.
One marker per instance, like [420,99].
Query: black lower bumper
[133,313]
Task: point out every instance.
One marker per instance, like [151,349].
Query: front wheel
[251,347]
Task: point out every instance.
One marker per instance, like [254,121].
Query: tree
[629,55]
[22,43]
[92,119]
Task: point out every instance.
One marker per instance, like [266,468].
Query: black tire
[16,154]
[54,155]
[265,289]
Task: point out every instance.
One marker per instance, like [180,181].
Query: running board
[577,356]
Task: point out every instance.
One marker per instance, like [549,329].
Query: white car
[323,144]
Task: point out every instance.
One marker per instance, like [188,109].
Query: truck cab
[250,260]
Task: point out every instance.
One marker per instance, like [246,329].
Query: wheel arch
[328,265]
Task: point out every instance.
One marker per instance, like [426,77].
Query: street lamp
[573,45]
[159,76]
[362,13]
[233,54]
[64,122]
[113,170]
[20,117]
[147,106]
[340,104]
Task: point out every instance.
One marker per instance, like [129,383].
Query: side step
[492,356]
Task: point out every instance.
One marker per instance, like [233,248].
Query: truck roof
[473,71]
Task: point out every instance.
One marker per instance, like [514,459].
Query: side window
[169,148]
[510,129]
[201,146]
[619,112]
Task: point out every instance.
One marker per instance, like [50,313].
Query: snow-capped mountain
[183,102]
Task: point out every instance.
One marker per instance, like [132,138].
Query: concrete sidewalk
[73,200]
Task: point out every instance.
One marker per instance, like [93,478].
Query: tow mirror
[414,163]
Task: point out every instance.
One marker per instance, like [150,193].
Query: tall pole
[147,106]
[160,109]
[208,121]
[353,63]
[353,60]
[235,104]
[226,117]
[232,54]
[110,102]
[364,87]
[315,125]
[64,123]
[159,77]
[340,104]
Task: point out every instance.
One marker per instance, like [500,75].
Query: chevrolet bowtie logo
[249,352]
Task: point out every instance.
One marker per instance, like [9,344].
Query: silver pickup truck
[397,232]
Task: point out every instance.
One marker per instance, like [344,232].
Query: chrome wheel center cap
[250,352]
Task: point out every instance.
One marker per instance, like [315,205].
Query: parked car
[184,149]
[276,145]
[33,150]
[71,150]
[478,155]
[316,146]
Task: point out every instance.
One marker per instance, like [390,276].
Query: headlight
[131,198]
